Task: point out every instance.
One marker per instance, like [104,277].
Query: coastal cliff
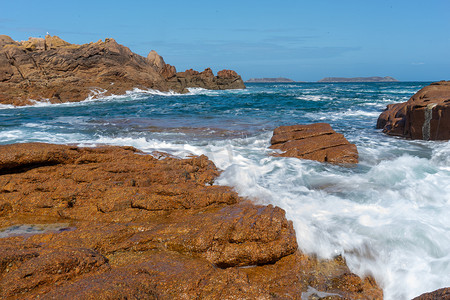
[54,70]
[425,116]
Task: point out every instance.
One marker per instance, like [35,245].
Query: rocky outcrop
[147,226]
[54,70]
[441,294]
[425,116]
[316,142]
[225,79]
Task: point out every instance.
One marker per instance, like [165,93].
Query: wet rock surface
[425,116]
[143,227]
[316,141]
[54,70]
[441,294]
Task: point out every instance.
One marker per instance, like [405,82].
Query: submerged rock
[425,116]
[316,141]
[54,70]
[144,227]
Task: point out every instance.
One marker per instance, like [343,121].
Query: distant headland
[269,80]
[359,79]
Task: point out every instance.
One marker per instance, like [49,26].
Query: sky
[301,40]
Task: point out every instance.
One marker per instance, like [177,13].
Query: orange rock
[441,294]
[426,115]
[144,227]
[316,142]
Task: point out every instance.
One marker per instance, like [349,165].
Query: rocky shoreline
[54,70]
[148,226]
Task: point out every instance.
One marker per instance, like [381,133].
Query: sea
[388,215]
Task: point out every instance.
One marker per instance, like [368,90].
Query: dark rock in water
[425,116]
[441,294]
[359,79]
[316,142]
[148,228]
[54,70]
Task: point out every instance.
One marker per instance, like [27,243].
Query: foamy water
[388,215]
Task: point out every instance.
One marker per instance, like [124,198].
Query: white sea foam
[336,116]
[6,106]
[99,95]
[144,144]
[389,222]
[9,135]
[314,98]
[96,95]
[441,155]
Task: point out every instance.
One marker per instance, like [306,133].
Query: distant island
[359,79]
[268,80]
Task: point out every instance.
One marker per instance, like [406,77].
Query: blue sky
[302,40]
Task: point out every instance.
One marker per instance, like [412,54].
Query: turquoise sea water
[388,215]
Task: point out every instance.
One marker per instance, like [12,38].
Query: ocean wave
[99,95]
[7,106]
[337,116]
[34,103]
[314,98]
[378,219]
[441,155]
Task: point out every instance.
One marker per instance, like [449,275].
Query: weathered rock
[54,70]
[293,275]
[34,44]
[142,227]
[6,40]
[316,142]
[163,275]
[45,267]
[426,115]
[441,294]
[156,60]
[54,42]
